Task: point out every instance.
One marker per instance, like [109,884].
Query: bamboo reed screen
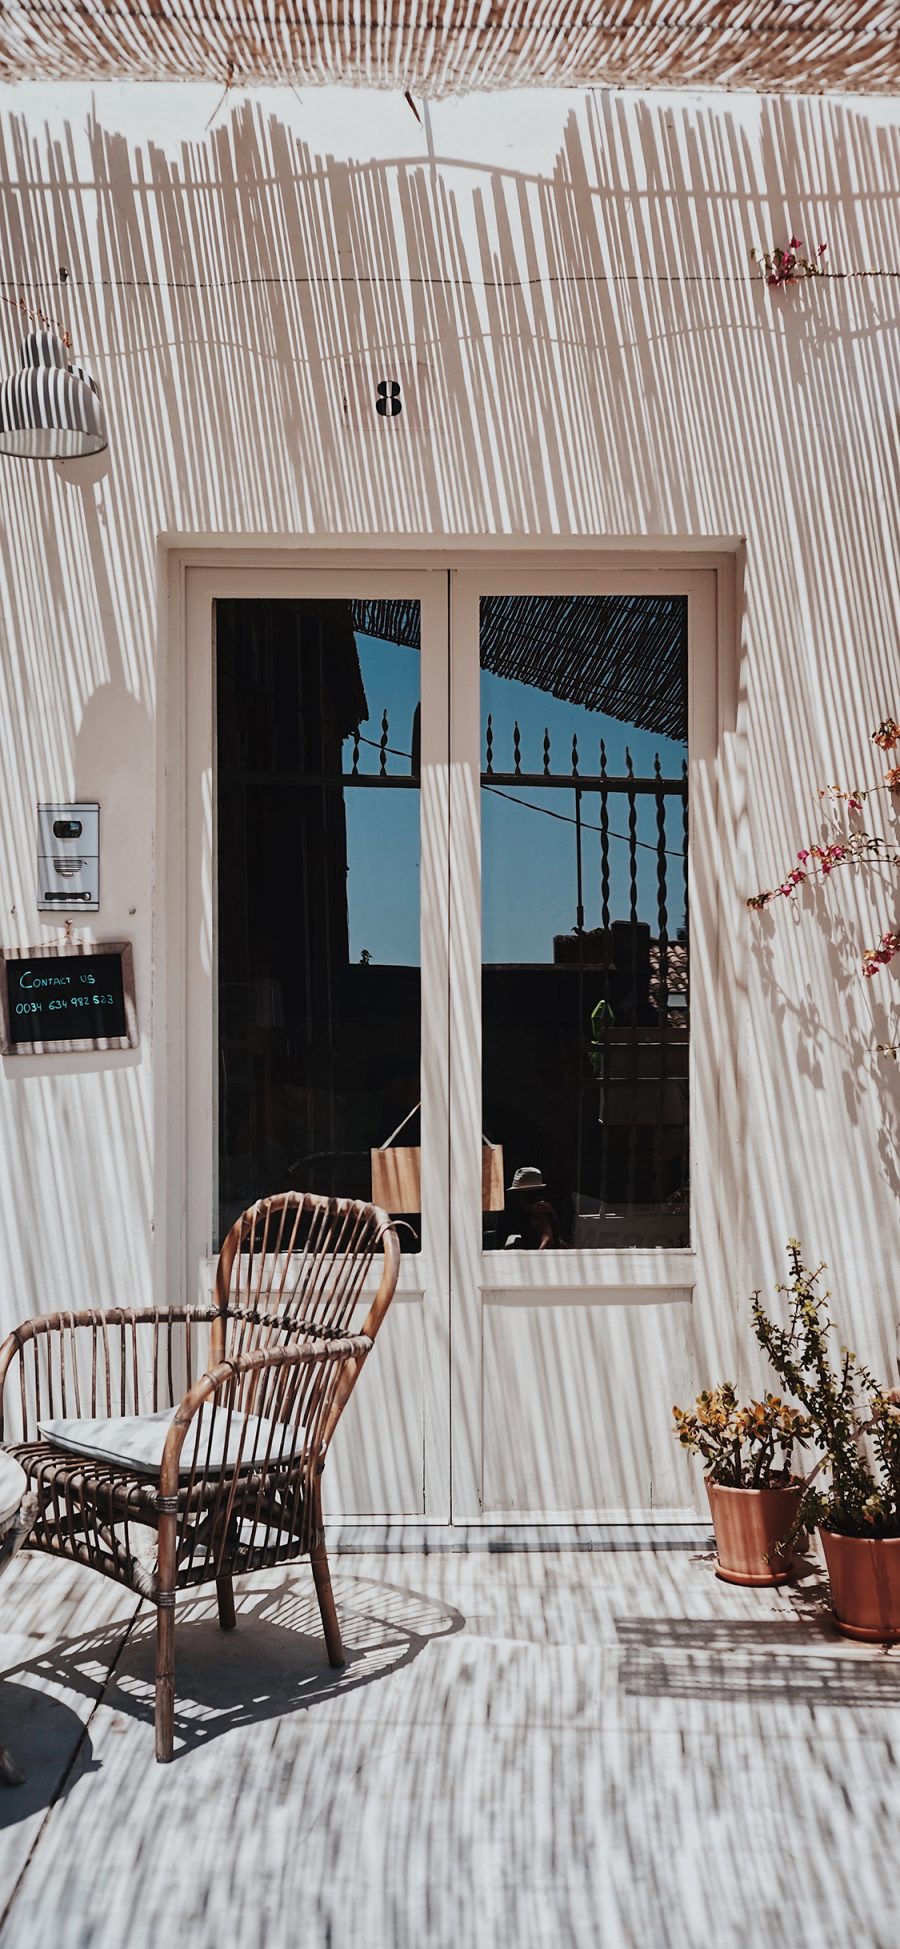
[443,47]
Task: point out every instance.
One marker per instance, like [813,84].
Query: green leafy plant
[854,1420]
[741,1447]
[603,1017]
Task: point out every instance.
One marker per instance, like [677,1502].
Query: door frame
[712,1272]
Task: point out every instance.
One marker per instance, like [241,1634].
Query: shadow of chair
[264,1674]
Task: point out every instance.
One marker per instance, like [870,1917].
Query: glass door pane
[319,984]
[585,989]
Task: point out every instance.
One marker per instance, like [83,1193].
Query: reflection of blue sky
[390,674]
[529,858]
[383,876]
[383,826]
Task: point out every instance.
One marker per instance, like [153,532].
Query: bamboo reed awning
[443,47]
[623,655]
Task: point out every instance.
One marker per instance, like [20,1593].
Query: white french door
[565,1360]
[518,1377]
[316,952]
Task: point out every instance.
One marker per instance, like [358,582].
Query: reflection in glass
[317,709]
[585,923]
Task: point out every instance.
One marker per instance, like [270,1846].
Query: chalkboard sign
[56,999]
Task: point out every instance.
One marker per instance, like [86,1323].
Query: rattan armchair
[257,1381]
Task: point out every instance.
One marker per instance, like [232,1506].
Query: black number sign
[388,402]
[84,999]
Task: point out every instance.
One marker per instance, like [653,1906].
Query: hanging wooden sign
[397,1168]
[56,1000]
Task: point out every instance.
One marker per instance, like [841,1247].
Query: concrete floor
[598,1745]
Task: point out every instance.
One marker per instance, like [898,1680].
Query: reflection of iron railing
[632,980]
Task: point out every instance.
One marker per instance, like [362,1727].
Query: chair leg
[165,1681]
[225,1595]
[325,1594]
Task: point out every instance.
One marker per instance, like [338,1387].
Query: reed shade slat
[623,655]
[445,47]
[239,1484]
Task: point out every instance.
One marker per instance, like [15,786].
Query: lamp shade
[50,410]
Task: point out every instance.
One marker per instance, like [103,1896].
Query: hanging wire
[567,819]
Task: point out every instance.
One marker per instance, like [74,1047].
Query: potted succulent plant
[753,1498]
[852,1496]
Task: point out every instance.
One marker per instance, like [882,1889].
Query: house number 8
[388,402]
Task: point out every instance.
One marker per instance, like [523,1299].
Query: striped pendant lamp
[50,410]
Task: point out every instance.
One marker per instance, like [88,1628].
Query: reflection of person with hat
[533,1222]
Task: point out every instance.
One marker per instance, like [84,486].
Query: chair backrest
[299,1264]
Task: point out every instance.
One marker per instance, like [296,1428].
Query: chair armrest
[339,1362]
[62,1329]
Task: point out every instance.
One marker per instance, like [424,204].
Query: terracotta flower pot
[864,1574]
[749,1525]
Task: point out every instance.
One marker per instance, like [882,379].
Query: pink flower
[880,956]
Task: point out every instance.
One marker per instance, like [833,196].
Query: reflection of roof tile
[800,45]
[676,967]
[623,655]
[598,948]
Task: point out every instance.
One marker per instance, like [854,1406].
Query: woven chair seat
[135,1442]
[79,1504]
[54,1471]
[119,1491]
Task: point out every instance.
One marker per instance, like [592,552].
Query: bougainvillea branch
[887,734]
[878,957]
[36,317]
[854,848]
[780,267]
[819,862]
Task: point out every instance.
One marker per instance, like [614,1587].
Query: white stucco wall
[574,271]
